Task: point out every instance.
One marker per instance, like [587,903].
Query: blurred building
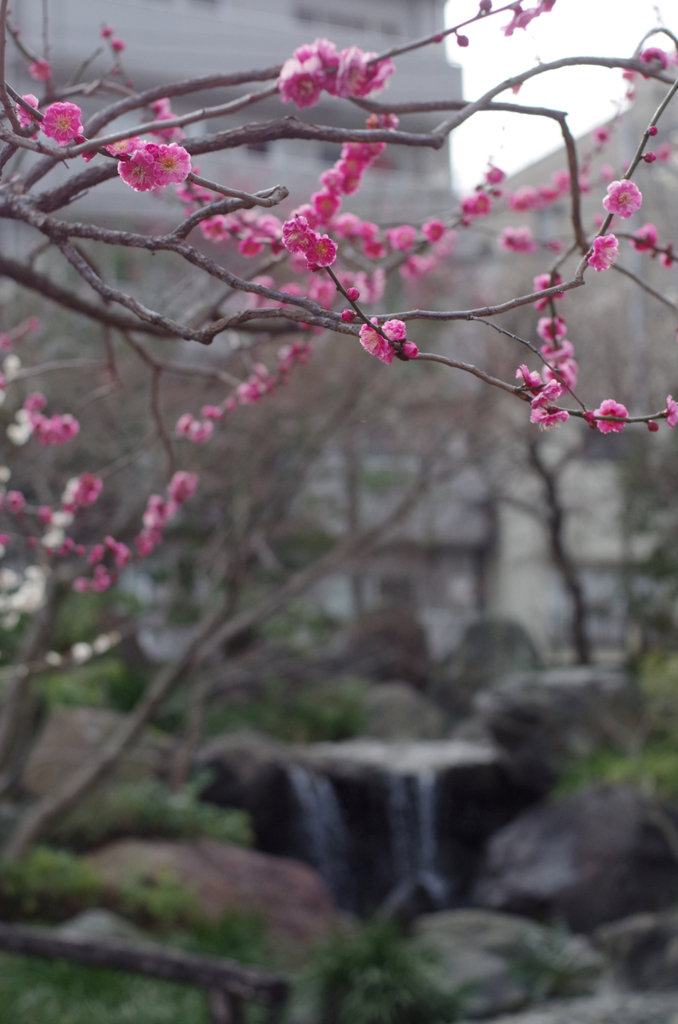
[172,40]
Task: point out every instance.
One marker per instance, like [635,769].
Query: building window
[396,590]
[345,20]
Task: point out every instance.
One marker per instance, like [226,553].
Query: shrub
[327,712]
[49,885]
[148,810]
[373,977]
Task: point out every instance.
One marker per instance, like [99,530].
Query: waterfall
[434,883]
[414,842]
[325,832]
[400,824]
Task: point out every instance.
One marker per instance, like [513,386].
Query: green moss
[148,810]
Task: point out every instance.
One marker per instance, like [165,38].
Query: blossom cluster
[159,510]
[146,166]
[317,66]
[382,347]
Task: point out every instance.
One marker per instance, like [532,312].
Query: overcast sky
[608,28]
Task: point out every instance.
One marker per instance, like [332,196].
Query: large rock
[643,950]
[396,711]
[289,896]
[502,961]
[542,720]
[607,1008]
[386,644]
[100,925]
[71,736]
[489,650]
[369,815]
[594,857]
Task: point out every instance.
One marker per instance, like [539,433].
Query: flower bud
[652,130]
[352,294]
[462,40]
[348,316]
[652,426]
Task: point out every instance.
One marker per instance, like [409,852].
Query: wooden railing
[228,985]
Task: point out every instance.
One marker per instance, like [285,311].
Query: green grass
[34,991]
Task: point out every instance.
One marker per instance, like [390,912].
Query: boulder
[98,925]
[396,711]
[543,720]
[643,951]
[606,1008]
[386,644]
[371,816]
[502,961]
[597,856]
[290,897]
[71,736]
[489,650]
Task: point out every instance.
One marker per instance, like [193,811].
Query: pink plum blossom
[517,240]
[568,371]
[25,119]
[610,408]
[671,411]
[173,162]
[377,346]
[623,198]
[544,413]
[182,486]
[541,282]
[418,265]
[302,78]
[547,418]
[401,238]
[61,122]
[605,252]
[40,70]
[645,238]
[140,171]
[602,135]
[551,328]
[15,502]
[478,205]
[526,198]
[326,204]
[96,554]
[81,490]
[493,175]
[653,53]
[356,77]
[531,379]
[433,230]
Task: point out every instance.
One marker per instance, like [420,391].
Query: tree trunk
[562,560]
